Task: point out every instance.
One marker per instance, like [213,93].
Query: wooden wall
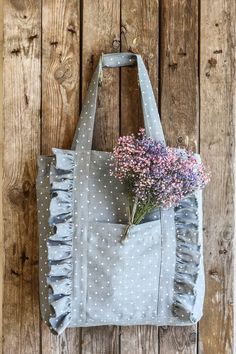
[51,48]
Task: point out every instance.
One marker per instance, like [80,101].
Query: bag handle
[84,131]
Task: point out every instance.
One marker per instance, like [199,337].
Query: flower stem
[132,212]
[136,214]
[124,236]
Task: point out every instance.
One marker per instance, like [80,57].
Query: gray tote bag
[87,277]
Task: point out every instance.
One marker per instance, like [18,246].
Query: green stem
[132,212]
[136,214]
[124,236]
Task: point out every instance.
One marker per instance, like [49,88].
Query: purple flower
[156,174]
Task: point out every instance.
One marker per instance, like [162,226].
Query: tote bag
[87,277]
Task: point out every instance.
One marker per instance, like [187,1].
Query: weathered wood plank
[67,343]
[140,26]
[60,107]
[104,339]
[22,63]
[179,112]
[139,34]
[217,112]
[178,340]
[60,72]
[1,173]
[179,72]
[139,340]
[101,33]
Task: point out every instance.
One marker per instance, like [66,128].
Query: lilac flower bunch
[156,175]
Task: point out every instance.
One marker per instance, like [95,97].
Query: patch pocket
[123,279]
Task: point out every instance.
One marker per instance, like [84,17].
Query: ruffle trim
[59,242]
[187,258]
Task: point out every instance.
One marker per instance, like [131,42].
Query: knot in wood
[64,72]
[192,337]
[116,44]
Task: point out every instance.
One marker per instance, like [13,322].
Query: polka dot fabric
[87,277]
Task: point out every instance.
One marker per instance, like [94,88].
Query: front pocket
[123,279]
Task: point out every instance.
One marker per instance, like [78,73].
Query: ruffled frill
[60,240]
[187,258]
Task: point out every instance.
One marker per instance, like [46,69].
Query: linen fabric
[87,277]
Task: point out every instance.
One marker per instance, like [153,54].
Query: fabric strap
[84,131]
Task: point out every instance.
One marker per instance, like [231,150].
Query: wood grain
[60,72]
[217,143]
[179,112]
[22,62]
[104,339]
[60,107]
[179,72]
[139,34]
[49,58]
[1,172]
[140,25]
[101,33]
[139,340]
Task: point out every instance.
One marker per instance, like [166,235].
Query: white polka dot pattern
[123,281]
[87,278]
